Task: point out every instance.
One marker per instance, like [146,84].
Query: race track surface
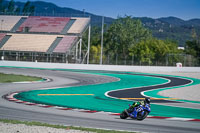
[136,92]
[18,111]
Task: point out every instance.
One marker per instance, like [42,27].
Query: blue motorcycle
[139,113]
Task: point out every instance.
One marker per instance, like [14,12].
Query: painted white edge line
[142,93]
[106,93]
[179,119]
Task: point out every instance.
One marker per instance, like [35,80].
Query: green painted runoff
[98,101]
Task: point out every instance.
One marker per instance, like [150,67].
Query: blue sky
[184,9]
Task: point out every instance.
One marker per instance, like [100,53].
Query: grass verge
[7,78]
[33,123]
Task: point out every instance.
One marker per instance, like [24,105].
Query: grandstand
[39,38]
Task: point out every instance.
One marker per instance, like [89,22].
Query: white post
[88,52]
[80,49]
[76,52]
[101,60]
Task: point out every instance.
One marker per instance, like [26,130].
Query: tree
[32,10]
[28,9]
[2,7]
[17,11]
[194,34]
[154,50]
[1,2]
[95,51]
[193,48]
[173,55]
[143,52]
[11,6]
[124,33]
[95,35]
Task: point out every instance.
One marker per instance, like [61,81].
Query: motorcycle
[139,113]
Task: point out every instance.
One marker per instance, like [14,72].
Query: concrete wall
[100,67]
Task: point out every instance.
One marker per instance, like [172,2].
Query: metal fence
[169,60]
[37,57]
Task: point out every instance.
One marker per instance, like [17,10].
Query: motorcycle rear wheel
[123,115]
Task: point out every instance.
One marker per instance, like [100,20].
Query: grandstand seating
[8,22]
[65,44]
[29,42]
[79,25]
[2,35]
[40,38]
[44,24]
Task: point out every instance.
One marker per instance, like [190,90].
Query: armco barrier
[100,67]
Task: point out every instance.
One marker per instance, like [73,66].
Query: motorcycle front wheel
[142,117]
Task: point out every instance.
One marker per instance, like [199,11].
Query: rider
[135,104]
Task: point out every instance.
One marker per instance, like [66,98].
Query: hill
[172,28]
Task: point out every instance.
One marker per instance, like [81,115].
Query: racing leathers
[135,104]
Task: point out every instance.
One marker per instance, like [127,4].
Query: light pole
[88,52]
[101,60]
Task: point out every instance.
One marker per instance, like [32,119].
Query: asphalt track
[12,110]
[136,92]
